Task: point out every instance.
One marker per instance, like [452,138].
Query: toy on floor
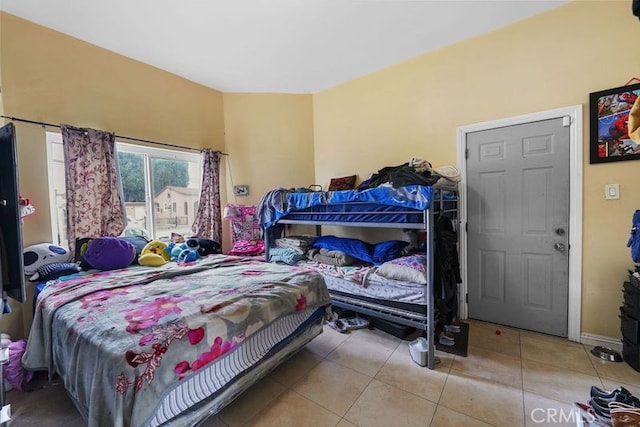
[349,324]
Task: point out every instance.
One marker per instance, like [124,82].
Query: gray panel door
[518,226]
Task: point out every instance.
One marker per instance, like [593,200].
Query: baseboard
[595,340]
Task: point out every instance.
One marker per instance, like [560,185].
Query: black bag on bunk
[446,271]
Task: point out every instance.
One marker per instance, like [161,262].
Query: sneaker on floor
[588,417]
[446,339]
[337,325]
[454,329]
[608,394]
[600,409]
[620,394]
[352,323]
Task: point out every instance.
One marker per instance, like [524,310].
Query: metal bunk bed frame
[438,205]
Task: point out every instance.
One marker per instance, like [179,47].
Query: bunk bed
[413,207]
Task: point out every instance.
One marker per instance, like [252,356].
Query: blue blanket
[278,203]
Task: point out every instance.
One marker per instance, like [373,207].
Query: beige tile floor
[366,378]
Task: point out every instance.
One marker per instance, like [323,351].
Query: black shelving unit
[629,320]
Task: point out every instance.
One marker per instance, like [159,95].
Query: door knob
[559,247]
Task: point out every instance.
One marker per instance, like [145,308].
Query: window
[154,181]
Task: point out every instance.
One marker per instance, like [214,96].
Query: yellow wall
[51,77]
[549,61]
[411,109]
[270,139]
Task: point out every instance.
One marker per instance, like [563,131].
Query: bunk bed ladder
[430,328]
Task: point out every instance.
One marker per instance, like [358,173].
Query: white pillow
[412,268]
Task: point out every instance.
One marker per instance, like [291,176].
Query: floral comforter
[120,339]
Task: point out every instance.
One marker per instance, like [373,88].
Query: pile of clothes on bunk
[416,171]
[293,249]
[336,251]
[290,250]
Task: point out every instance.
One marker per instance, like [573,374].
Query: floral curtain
[208,222]
[95,204]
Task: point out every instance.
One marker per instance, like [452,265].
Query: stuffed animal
[109,253]
[208,246]
[189,253]
[154,254]
[173,249]
[36,256]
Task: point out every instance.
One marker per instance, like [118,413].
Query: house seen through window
[154,182]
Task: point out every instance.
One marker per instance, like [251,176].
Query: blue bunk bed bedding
[403,204]
[358,212]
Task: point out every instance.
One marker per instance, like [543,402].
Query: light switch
[612,191]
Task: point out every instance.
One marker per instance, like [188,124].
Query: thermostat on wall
[241,190]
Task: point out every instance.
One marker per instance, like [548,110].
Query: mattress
[279,354]
[139,346]
[248,362]
[379,288]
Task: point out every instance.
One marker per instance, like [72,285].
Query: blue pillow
[354,247]
[53,271]
[139,242]
[387,250]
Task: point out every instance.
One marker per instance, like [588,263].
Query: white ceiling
[276,46]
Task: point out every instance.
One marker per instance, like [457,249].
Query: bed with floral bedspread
[143,346]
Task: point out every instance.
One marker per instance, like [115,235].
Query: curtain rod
[18,119]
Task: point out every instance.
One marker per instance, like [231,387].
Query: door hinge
[466,153]
[466,298]
[466,227]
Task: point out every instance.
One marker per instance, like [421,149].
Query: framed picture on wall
[608,115]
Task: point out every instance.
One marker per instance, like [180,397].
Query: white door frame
[575,205]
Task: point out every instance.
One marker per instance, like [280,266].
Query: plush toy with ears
[173,250]
[189,253]
[154,254]
[208,246]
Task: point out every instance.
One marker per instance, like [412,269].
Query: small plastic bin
[419,349]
